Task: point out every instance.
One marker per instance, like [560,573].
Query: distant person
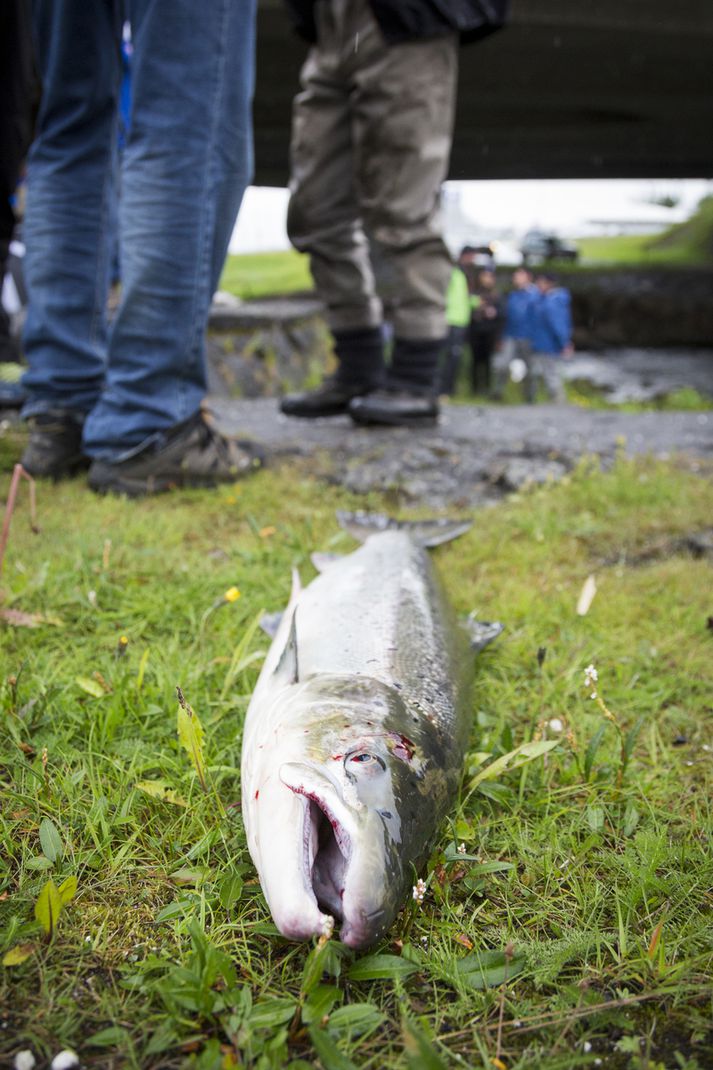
[485,325]
[550,338]
[515,343]
[458,313]
[128,401]
[371,139]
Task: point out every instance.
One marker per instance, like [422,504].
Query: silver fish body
[354,740]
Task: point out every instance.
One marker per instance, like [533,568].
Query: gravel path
[475,455]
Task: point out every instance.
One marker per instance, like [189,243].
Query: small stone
[24,1060]
[65,1060]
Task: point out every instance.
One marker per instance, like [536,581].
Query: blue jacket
[518,312]
[551,322]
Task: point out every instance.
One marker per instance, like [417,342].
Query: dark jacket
[411,20]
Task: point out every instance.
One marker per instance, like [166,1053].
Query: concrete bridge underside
[612,89]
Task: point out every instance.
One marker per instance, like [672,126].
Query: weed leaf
[112,1036]
[381,968]
[67,890]
[90,686]
[420,1053]
[320,1002]
[329,1054]
[190,735]
[18,954]
[356,1019]
[486,969]
[159,789]
[270,1013]
[526,752]
[592,749]
[50,840]
[48,908]
[231,888]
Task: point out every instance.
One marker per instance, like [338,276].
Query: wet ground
[643,374]
[476,454]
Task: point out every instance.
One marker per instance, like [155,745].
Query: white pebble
[65,1060]
[24,1060]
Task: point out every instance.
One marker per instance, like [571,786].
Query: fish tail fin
[427,533]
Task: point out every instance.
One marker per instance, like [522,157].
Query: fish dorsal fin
[481,632]
[425,533]
[287,669]
[322,561]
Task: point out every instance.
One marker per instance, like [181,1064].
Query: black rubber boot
[361,367]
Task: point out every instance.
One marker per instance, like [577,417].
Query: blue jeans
[184,170]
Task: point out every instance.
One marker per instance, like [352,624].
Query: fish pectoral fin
[270,622]
[482,632]
[287,669]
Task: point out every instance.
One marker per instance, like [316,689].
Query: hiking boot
[191,454]
[396,408]
[54,450]
[331,398]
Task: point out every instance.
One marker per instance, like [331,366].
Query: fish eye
[362,762]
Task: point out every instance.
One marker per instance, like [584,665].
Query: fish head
[358,801]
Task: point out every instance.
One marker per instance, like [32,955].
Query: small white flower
[461,849]
[92,599]
[65,1060]
[586,1047]
[24,1060]
[555,725]
[328,926]
[419,890]
[593,694]
[590,676]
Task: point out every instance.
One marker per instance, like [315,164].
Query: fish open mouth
[327,844]
[327,853]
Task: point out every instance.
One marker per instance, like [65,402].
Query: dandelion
[231,595]
[419,890]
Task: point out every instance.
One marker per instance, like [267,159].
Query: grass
[575,929]
[685,244]
[266,274]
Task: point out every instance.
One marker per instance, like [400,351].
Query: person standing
[127,401]
[371,138]
[515,343]
[550,338]
[458,312]
[485,325]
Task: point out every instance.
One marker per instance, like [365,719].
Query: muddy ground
[475,455]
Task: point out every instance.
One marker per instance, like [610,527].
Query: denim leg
[185,167]
[70,179]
